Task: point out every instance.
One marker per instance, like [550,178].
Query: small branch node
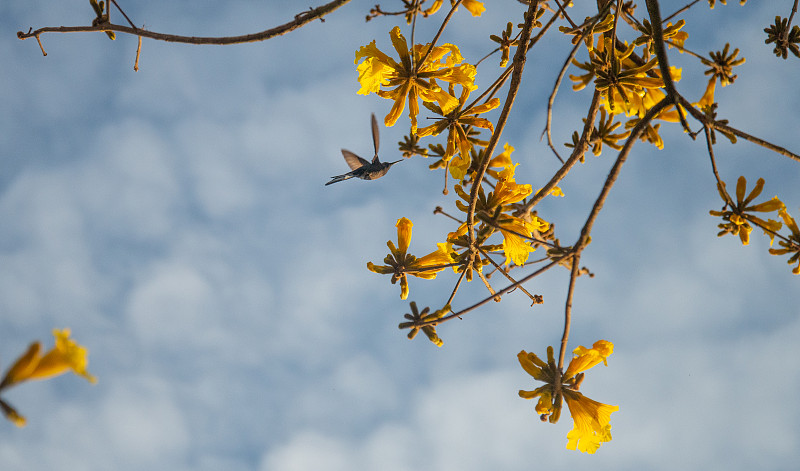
[40,45]
[138,52]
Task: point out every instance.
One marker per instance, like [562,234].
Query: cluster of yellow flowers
[739,219]
[66,355]
[418,74]
[629,81]
[591,418]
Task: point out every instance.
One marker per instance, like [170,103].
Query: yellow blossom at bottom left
[66,355]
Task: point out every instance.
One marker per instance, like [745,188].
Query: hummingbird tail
[338,178]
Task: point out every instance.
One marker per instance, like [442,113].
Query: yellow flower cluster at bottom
[590,418]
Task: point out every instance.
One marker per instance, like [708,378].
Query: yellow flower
[590,418]
[32,365]
[792,243]
[603,133]
[503,159]
[590,422]
[399,263]
[586,358]
[708,97]
[721,65]
[412,78]
[506,42]
[64,356]
[556,191]
[672,34]
[456,123]
[475,7]
[516,231]
[617,76]
[417,319]
[738,217]
[507,190]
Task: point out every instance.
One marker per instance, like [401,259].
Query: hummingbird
[361,168]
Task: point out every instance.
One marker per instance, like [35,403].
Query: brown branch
[138,52]
[663,63]
[573,275]
[580,149]
[698,115]
[121,11]
[557,85]
[564,14]
[516,79]
[710,148]
[488,285]
[681,10]
[508,277]
[299,20]
[614,173]
[438,33]
[499,293]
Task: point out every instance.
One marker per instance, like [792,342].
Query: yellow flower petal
[586,358]
[24,366]
[532,365]
[515,247]
[590,422]
[475,7]
[459,166]
[708,97]
[440,256]
[400,44]
[404,234]
[66,355]
[434,8]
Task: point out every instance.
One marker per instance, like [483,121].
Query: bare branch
[697,114]
[299,20]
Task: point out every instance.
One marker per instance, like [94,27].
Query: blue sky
[176,220]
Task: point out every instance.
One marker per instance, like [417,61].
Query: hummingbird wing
[353,161]
[376,138]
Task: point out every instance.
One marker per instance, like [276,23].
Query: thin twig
[138,51]
[697,114]
[580,149]
[499,293]
[614,172]
[516,79]
[413,28]
[488,286]
[439,33]
[794,10]
[299,20]
[508,277]
[544,29]
[573,275]
[663,63]
[710,148]
[551,101]
[678,12]
[455,288]
[121,11]
[564,13]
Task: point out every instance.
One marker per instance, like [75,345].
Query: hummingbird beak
[396,161]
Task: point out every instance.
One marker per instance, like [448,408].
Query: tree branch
[300,19]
